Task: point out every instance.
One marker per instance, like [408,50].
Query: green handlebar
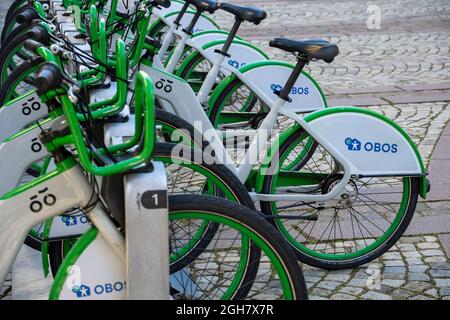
[144,132]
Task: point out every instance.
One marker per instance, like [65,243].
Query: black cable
[84,56]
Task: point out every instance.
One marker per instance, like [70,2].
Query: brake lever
[60,51]
[72,93]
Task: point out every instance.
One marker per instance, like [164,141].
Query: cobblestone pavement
[402,70]
[416,268]
[368,58]
[424,122]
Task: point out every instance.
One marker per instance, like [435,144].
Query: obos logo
[70,221]
[295,90]
[84,291]
[358,146]
[235,64]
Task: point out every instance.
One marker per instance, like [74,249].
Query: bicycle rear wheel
[344,234]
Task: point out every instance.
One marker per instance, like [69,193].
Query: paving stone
[428,245]
[418,268]
[444,291]
[362,274]
[410,240]
[394,270]
[404,247]
[418,286]
[445,240]
[401,294]
[321,292]
[413,262]
[394,276]
[435,259]
[430,238]
[432,292]
[420,297]
[412,254]
[440,273]
[418,277]
[315,273]
[342,296]
[393,283]
[392,256]
[309,285]
[442,283]
[337,277]
[357,282]
[330,285]
[373,295]
[351,290]
[440,266]
[312,279]
[394,263]
[264,296]
[432,253]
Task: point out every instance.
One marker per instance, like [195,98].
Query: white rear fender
[373,144]
[269,76]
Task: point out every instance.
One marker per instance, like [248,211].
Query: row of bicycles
[113,112]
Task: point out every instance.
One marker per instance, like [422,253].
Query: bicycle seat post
[222,54]
[231,36]
[180,15]
[296,72]
[187,32]
[169,36]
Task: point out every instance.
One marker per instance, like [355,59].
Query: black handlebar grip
[40,34]
[32,45]
[48,78]
[26,16]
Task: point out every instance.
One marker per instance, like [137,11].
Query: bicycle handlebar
[144,126]
[27,15]
[48,78]
[32,45]
[39,33]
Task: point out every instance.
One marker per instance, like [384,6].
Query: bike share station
[108,87]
